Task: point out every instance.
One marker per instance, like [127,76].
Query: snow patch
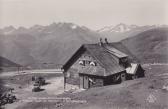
[8,32]
[120,28]
[74,26]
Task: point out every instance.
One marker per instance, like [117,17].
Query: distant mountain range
[118,28]
[122,31]
[51,45]
[121,28]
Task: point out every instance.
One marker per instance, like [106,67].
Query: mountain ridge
[122,27]
[55,43]
[149,46]
[45,44]
[122,31]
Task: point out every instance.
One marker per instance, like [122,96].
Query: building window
[87,62]
[82,62]
[93,63]
[124,62]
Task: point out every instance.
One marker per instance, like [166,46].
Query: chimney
[101,42]
[106,41]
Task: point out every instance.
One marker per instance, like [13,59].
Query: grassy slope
[7,63]
[149,46]
[131,94]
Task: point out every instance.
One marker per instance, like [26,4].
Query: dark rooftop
[105,54]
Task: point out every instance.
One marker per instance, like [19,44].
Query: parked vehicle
[40,80]
[36,88]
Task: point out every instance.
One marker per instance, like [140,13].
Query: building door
[123,77]
[85,82]
[81,82]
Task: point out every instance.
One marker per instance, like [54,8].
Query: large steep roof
[105,54]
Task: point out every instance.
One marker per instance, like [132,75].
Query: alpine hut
[100,64]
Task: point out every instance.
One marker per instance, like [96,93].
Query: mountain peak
[9,27]
[37,26]
[64,24]
[119,28]
[121,24]
[8,30]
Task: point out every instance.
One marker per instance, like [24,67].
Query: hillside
[7,65]
[52,44]
[149,46]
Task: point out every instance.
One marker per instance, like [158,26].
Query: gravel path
[13,73]
[53,88]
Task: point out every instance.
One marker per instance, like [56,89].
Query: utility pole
[64,81]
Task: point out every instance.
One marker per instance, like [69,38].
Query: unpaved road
[53,88]
[14,73]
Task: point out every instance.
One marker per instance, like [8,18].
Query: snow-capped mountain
[120,28]
[38,28]
[42,29]
[8,30]
[122,31]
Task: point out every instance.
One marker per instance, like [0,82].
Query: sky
[94,14]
